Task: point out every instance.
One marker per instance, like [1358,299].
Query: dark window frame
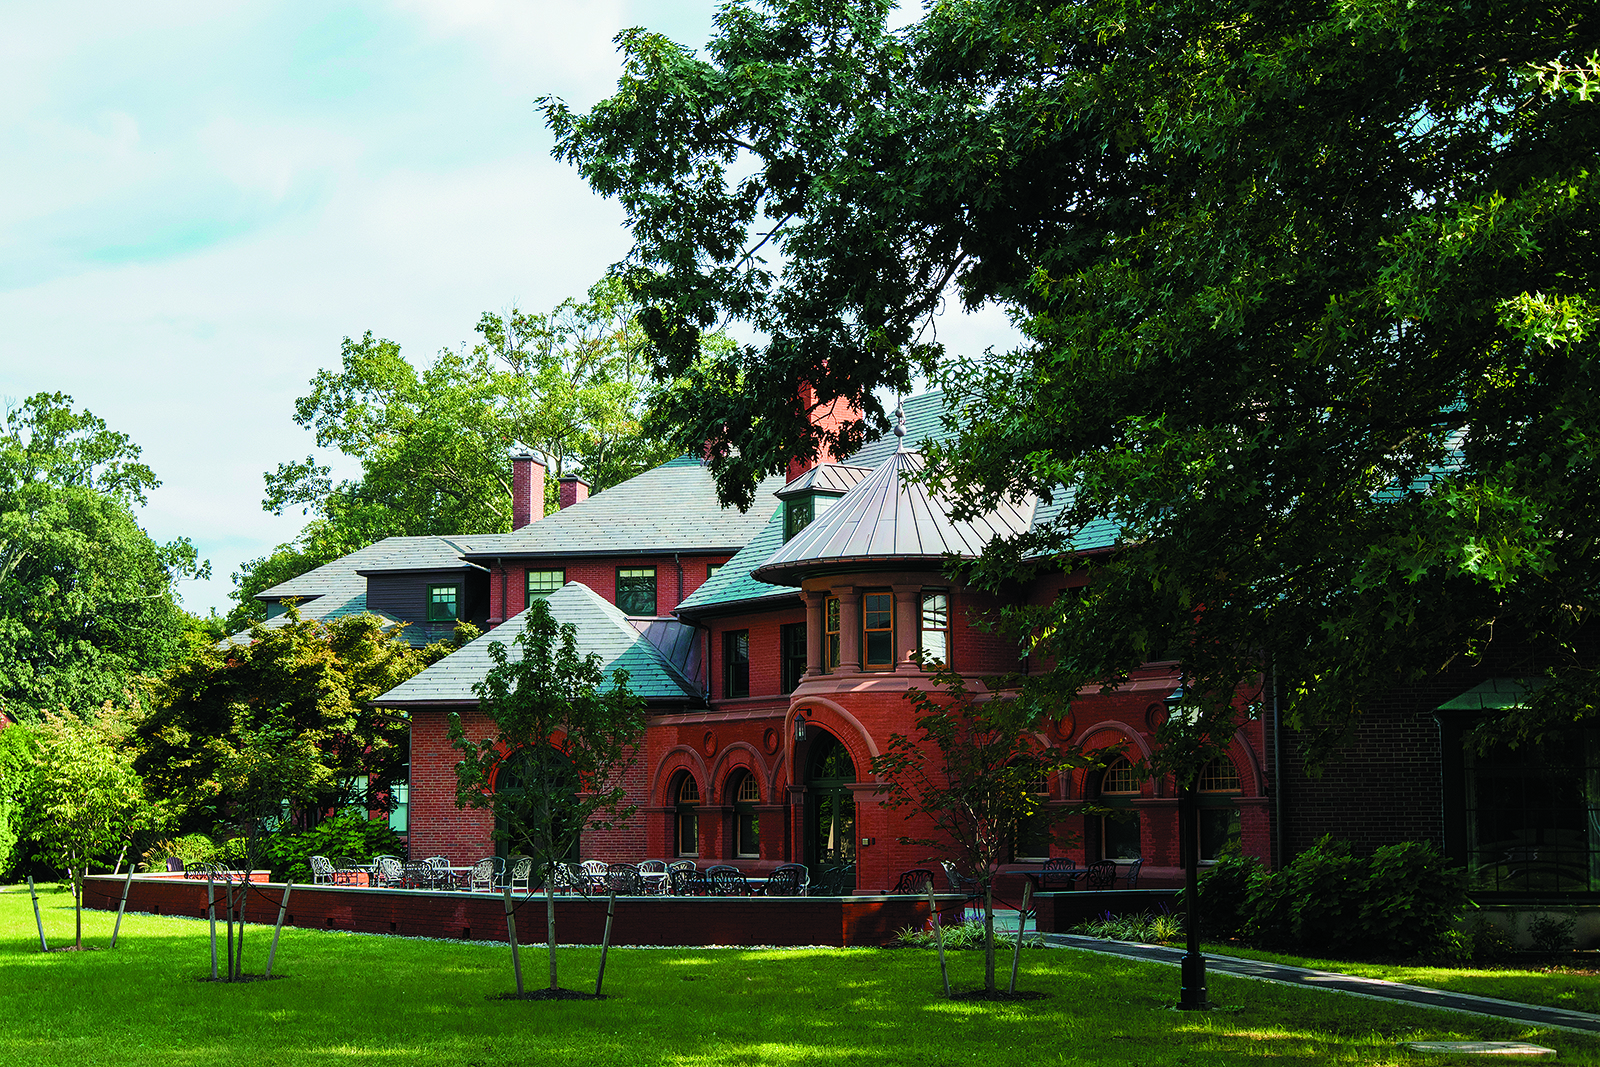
[432,613]
[631,580]
[867,662]
[791,655]
[746,822]
[923,629]
[529,592]
[735,664]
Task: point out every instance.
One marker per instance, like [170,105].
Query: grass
[1574,988]
[385,1001]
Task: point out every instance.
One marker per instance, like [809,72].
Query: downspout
[679,564]
[1277,775]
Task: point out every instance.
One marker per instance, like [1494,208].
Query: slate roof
[671,508]
[601,628]
[423,554]
[733,583]
[887,518]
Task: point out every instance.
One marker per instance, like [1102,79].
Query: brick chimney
[829,417]
[527,490]
[574,490]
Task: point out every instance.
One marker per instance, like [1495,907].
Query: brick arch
[1103,735]
[679,758]
[1251,774]
[740,755]
[838,721]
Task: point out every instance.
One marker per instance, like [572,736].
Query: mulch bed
[243,978]
[549,994]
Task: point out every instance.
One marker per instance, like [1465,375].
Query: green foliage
[314,681]
[86,607]
[561,747]
[1308,296]
[1488,942]
[84,801]
[1224,895]
[972,773]
[1552,933]
[19,748]
[1403,901]
[350,833]
[1148,929]
[959,936]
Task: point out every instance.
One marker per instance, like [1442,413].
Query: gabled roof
[889,518]
[825,478]
[601,628]
[733,584]
[671,508]
[423,554]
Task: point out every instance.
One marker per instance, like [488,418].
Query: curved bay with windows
[830,806]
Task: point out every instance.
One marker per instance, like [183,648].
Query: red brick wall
[599,575]
[481,916]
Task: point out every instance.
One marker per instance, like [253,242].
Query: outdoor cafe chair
[487,873]
[654,873]
[442,876]
[725,881]
[519,874]
[786,881]
[567,878]
[595,872]
[1102,874]
[347,871]
[836,881]
[419,874]
[1133,873]
[388,872]
[321,870]
[916,880]
[685,881]
[623,880]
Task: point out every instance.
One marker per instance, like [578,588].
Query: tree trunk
[988,936]
[550,921]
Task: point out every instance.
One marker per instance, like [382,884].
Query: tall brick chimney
[574,490]
[829,417]
[527,490]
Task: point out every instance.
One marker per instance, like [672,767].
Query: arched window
[1218,811]
[746,793]
[686,817]
[1033,833]
[1120,837]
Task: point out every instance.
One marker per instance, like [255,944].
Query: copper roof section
[889,518]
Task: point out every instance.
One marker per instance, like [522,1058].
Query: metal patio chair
[684,880]
[388,872]
[322,872]
[487,873]
[787,881]
[654,873]
[595,872]
[623,879]
[1102,874]
[725,881]
[916,880]
[519,874]
[1133,873]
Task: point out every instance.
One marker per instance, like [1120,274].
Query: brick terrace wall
[838,921]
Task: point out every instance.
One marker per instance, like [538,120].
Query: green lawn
[381,1001]
[1572,988]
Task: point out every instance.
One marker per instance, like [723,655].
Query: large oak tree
[1308,292]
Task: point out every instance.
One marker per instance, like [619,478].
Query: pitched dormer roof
[601,628]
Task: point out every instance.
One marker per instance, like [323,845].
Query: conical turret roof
[889,518]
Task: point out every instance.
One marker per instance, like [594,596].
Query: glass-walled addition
[1533,815]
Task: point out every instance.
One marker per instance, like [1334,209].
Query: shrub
[1552,934]
[1401,901]
[960,936]
[1489,942]
[1225,895]
[1150,929]
[350,833]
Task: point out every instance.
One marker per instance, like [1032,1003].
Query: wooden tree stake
[938,937]
[283,909]
[605,939]
[36,917]
[127,883]
[1022,923]
[511,935]
[211,911]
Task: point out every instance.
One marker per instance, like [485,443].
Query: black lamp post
[1192,992]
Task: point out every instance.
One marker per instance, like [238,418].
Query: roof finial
[900,425]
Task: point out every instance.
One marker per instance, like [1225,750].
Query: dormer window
[442,603]
[800,511]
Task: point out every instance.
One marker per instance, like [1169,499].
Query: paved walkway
[1533,1015]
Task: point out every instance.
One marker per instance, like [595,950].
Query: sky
[199,201]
